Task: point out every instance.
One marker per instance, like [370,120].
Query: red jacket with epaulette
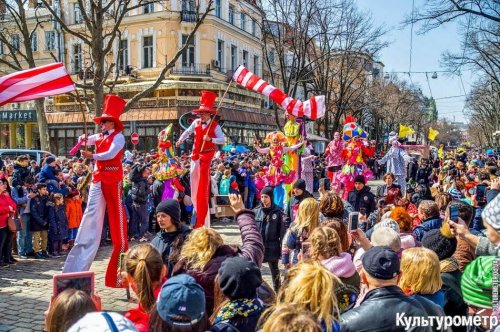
[111,170]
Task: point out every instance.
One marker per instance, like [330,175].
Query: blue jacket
[58,223]
[47,173]
[427,225]
[20,196]
[39,215]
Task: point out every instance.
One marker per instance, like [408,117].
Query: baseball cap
[381,263]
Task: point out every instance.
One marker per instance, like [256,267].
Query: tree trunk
[43,126]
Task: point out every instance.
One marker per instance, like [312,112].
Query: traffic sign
[134,138]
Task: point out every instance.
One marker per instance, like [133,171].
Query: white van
[12,154]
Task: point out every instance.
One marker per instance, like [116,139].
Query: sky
[426,53]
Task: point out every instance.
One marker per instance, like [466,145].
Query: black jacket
[271,226]
[169,245]
[158,187]
[378,311]
[39,214]
[19,175]
[139,191]
[58,223]
[454,305]
[294,201]
[362,199]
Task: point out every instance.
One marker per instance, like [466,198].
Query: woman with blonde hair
[326,248]
[310,286]
[288,318]
[421,275]
[306,221]
[68,307]
[204,250]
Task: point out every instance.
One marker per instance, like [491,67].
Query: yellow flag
[405,131]
[433,133]
[441,152]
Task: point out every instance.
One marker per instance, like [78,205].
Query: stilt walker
[207,134]
[105,193]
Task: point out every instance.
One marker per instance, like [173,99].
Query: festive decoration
[352,129]
[34,83]
[405,131]
[313,108]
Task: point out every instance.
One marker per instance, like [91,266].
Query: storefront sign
[18,116]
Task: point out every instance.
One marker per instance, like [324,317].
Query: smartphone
[79,280]
[454,213]
[122,260]
[324,183]
[305,249]
[353,221]
[222,200]
[481,193]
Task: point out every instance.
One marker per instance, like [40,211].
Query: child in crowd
[225,183]
[47,174]
[67,308]
[39,221]
[145,273]
[58,224]
[74,214]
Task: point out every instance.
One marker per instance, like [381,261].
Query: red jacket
[139,317]
[5,202]
[199,132]
[108,171]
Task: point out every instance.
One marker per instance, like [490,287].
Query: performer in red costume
[105,194]
[206,136]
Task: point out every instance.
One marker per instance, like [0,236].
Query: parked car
[12,154]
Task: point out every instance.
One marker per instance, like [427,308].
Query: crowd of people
[411,260]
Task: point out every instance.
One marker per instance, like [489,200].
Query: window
[220,53]
[148,8]
[256,64]
[188,59]
[188,5]
[34,42]
[50,40]
[271,55]
[147,52]
[231,14]
[218,8]
[234,57]
[245,59]
[254,27]
[122,54]
[16,42]
[77,60]
[243,21]
[77,14]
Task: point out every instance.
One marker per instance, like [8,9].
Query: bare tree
[18,35]
[101,28]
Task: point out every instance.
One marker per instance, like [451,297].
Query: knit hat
[300,184]
[359,179]
[49,160]
[181,295]
[381,263]
[386,237]
[455,193]
[170,207]
[267,191]
[477,282]
[388,222]
[104,322]
[441,241]
[239,278]
[491,213]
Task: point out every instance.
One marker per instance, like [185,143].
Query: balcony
[189,16]
[191,69]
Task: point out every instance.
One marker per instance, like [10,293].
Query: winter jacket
[168,242]
[74,212]
[19,175]
[245,322]
[139,191]
[464,253]
[271,224]
[427,225]
[293,206]
[47,173]
[378,311]
[251,249]
[58,224]
[423,175]
[362,199]
[158,187]
[5,202]
[20,196]
[39,214]
[454,302]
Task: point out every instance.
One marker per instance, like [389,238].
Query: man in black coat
[361,199]
[270,221]
[385,306]
[139,219]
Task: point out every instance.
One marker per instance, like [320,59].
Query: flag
[313,108]
[34,83]
[441,152]
[405,131]
[433,133]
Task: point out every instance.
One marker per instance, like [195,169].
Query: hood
[342,266]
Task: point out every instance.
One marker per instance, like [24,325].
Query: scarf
[240,307]
[449,265]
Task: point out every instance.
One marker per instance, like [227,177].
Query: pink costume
[335,161]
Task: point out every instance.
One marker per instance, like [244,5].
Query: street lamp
[435,75]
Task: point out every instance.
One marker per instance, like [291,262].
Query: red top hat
[111,110]
[207,102]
